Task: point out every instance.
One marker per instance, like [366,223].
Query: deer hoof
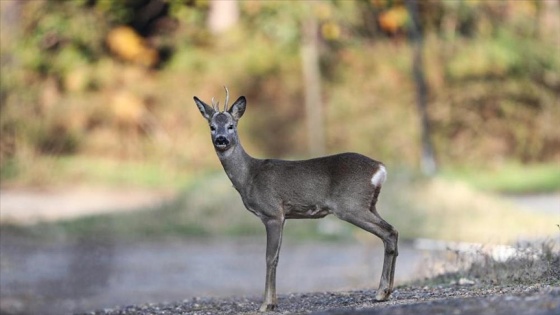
[265,307]
[382,295]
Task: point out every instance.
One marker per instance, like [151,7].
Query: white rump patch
[379,176]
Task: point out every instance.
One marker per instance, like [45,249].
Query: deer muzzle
[221,143]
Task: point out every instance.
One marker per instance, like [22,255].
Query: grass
[208,206]
[511,178]
[444,209]
[48,171]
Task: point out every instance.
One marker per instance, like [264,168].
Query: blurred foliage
[70,88]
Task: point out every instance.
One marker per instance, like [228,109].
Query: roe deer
[346,185]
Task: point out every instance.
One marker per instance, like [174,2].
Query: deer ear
[206,111]
[238,108]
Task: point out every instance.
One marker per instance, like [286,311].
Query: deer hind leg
[390,241]
[371,221]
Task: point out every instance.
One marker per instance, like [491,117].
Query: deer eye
[212,128]
[230,127]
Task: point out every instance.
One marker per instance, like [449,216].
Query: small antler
[227,99]
[215,105]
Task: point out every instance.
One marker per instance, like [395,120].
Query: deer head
[223,124]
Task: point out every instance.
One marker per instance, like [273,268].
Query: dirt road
[76,276]
[29,206]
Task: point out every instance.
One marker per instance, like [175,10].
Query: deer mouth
[221,143]
[221,147]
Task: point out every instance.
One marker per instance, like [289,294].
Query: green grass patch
[510,178]
[418,207]
[71,170]
[445,209]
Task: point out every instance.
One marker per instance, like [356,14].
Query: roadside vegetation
[526,264]
[434,208]
[106,99]
[108,86]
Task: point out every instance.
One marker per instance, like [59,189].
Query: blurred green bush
[493,69]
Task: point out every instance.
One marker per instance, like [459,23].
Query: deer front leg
[274,229]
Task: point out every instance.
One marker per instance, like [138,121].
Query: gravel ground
[447,299]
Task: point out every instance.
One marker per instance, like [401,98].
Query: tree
[312,85]
[427,162]
[223,15]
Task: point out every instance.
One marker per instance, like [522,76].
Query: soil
[449,299]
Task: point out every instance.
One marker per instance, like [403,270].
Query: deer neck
[237,164]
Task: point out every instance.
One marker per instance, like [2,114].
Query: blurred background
[111,192]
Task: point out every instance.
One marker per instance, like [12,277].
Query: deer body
[346,185]
[310,188]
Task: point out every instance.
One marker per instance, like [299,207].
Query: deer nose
[221,140]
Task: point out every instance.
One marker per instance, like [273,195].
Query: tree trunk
[312,85]
[427,162]
[223,15]
[10,20]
